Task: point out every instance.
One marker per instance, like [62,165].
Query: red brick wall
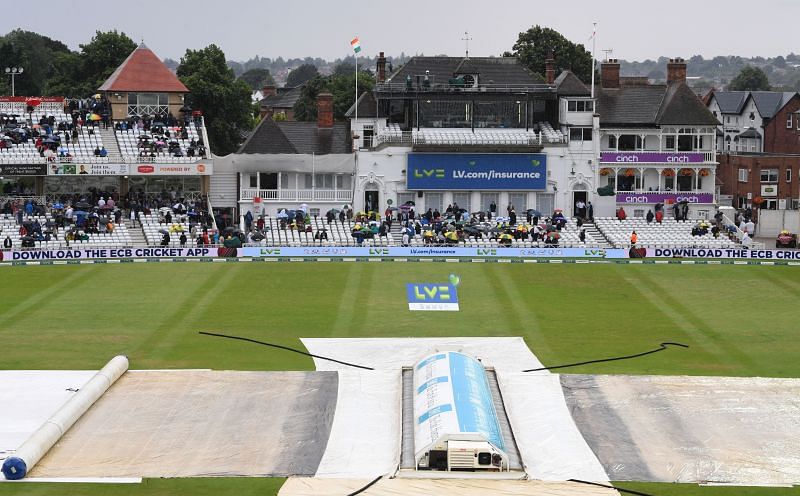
[728,173]
[779,139]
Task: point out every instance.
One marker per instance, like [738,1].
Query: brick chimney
[549,68]
[676,70]
[269,90]
[325,110]
[381,72]
[609,74]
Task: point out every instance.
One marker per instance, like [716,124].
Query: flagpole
[594,44]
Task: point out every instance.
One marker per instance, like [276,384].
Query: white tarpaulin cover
[296,486]
[736,430]
[29,398]
[368,409]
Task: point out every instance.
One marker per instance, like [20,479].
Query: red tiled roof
[143,71]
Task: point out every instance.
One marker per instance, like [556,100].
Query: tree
[750,79]
[300,75]
[34,53]
[533,45]
[79,75]
[342,87]
[257,78]
[224,100]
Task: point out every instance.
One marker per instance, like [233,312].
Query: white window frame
[788,175]
[743,175]
[788,121]
[771,174]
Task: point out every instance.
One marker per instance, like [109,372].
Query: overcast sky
[635,30]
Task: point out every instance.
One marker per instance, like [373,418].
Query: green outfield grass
[737,320]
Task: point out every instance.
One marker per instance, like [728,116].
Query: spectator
[659,216]
[634,238]
[650,216]
[103,151]
[183,239]
[750,227]
[165,239]
[7,243]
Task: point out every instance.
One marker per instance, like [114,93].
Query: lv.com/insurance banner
[106,253]
[477,171]
[433,251]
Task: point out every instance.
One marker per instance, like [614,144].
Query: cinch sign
[477,171]
[666,198]
[432,297]
[652,157]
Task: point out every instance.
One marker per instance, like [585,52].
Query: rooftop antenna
[466,39]
[608,51]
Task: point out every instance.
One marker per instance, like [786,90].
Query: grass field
[737,320]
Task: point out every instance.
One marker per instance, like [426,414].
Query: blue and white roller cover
[452,396]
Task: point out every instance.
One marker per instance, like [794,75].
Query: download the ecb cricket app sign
[432,297]
[477,171]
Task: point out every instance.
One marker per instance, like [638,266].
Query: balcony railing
[297,195]
[466,137]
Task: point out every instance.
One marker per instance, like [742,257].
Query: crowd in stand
[98,212]
[161,138]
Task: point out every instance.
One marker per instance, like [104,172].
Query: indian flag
[356,44]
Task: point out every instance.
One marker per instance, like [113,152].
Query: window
[253,181]
[545,203]
[788,175]
[580,106]
[580,134]
[770,205]
[148,104]
[769,175]
[284,180]
[669,143]
[323,181]
[788,121]
[612,141]
[343,182]
[432,200]
[743,176]
[463,200]
[519,201]
[487,199]
[630,142]
[308,181]
[402,198]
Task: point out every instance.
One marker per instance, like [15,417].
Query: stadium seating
[129,139]
[81,150]
[476,137]
[669,234]
[120,237]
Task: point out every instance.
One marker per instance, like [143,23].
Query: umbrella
[58,205]
[534,212]
[82,205]
[406,207]
[28,238]
[51,141]
[163,231]
[94,117]
[144,137]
